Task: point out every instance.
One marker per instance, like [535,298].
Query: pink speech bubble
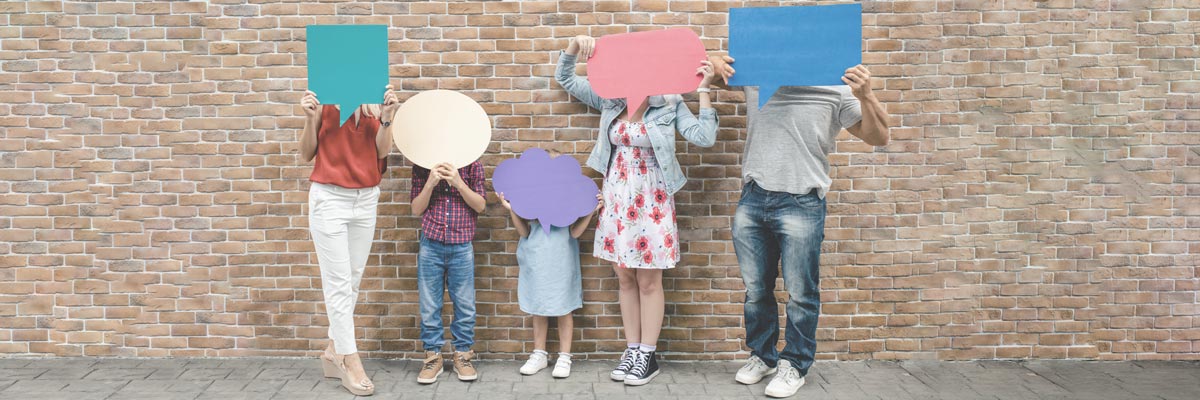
[637,65]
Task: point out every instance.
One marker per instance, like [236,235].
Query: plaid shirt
[448,218]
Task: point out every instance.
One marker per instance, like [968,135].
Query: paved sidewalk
[297,379]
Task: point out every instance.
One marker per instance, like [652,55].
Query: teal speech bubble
[347,65]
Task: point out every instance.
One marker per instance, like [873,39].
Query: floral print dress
[637,226]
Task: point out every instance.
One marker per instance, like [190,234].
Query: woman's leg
[631,314]
[653,304]
[540,327]
[566,329]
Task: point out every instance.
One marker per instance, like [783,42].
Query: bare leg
[652,302]
[631,315]
[540,326]
[566,328]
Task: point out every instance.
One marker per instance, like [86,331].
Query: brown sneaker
[463,367]
[432,367]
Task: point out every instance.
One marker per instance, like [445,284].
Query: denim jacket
[662,119]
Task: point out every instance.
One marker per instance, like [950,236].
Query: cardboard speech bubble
[438,126]
[642,64]
[347,65]
[794,46]
[553,191]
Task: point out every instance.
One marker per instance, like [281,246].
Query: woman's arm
[520,224]
[387,112]
[703,131]
[312,125]
[577,86]
[580,226]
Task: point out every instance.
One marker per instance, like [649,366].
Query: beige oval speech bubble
[438,126]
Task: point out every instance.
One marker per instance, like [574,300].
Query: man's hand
[722,66]
[859,80]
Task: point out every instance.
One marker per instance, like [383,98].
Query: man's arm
[722,64]
[873,128]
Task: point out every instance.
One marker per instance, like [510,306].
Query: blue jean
[450,267]
[770,227]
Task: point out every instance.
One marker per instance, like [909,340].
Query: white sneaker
[786,382]
[754,371]
[537,362]
[562,367]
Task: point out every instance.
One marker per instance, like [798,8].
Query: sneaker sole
[431,380]
[532,373]
[560,376]
[468,378]
[616,377]
[782,395]
[640,382]
[746,381]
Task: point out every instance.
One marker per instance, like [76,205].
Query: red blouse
[347,155]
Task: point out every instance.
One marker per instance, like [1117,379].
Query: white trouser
[342,223]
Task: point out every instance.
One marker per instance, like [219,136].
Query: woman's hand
[708,71]
[503,201]
[311,106]
[583,45]
[722,66]
[391,103]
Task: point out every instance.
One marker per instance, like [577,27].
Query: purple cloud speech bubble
[553,191]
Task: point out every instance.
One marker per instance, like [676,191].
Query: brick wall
[1040,197]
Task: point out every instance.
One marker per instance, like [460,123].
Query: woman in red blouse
[350,161]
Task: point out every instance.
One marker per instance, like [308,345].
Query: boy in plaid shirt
[449,201]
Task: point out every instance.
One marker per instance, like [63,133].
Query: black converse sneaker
[627,358]
[645,368]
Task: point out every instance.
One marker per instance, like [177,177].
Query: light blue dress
[549,283]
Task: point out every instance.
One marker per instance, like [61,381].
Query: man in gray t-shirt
[780,219]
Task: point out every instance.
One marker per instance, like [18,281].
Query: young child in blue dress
[549,284]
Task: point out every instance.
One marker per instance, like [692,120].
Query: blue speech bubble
[793,46]
[347,65]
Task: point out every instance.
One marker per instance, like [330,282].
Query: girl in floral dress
[636,153]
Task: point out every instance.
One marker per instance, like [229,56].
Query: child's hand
[599,203]
[449,174]
[504,202]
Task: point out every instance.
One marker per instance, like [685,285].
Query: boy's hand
[435,177]
[504,202]
[449,174]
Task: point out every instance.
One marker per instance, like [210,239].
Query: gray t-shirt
[791,137]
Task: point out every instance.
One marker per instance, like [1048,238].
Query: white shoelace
[790,375]
[754,363]
[641,362]
[627,360]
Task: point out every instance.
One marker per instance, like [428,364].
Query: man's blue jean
[450,267]
[770,227]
